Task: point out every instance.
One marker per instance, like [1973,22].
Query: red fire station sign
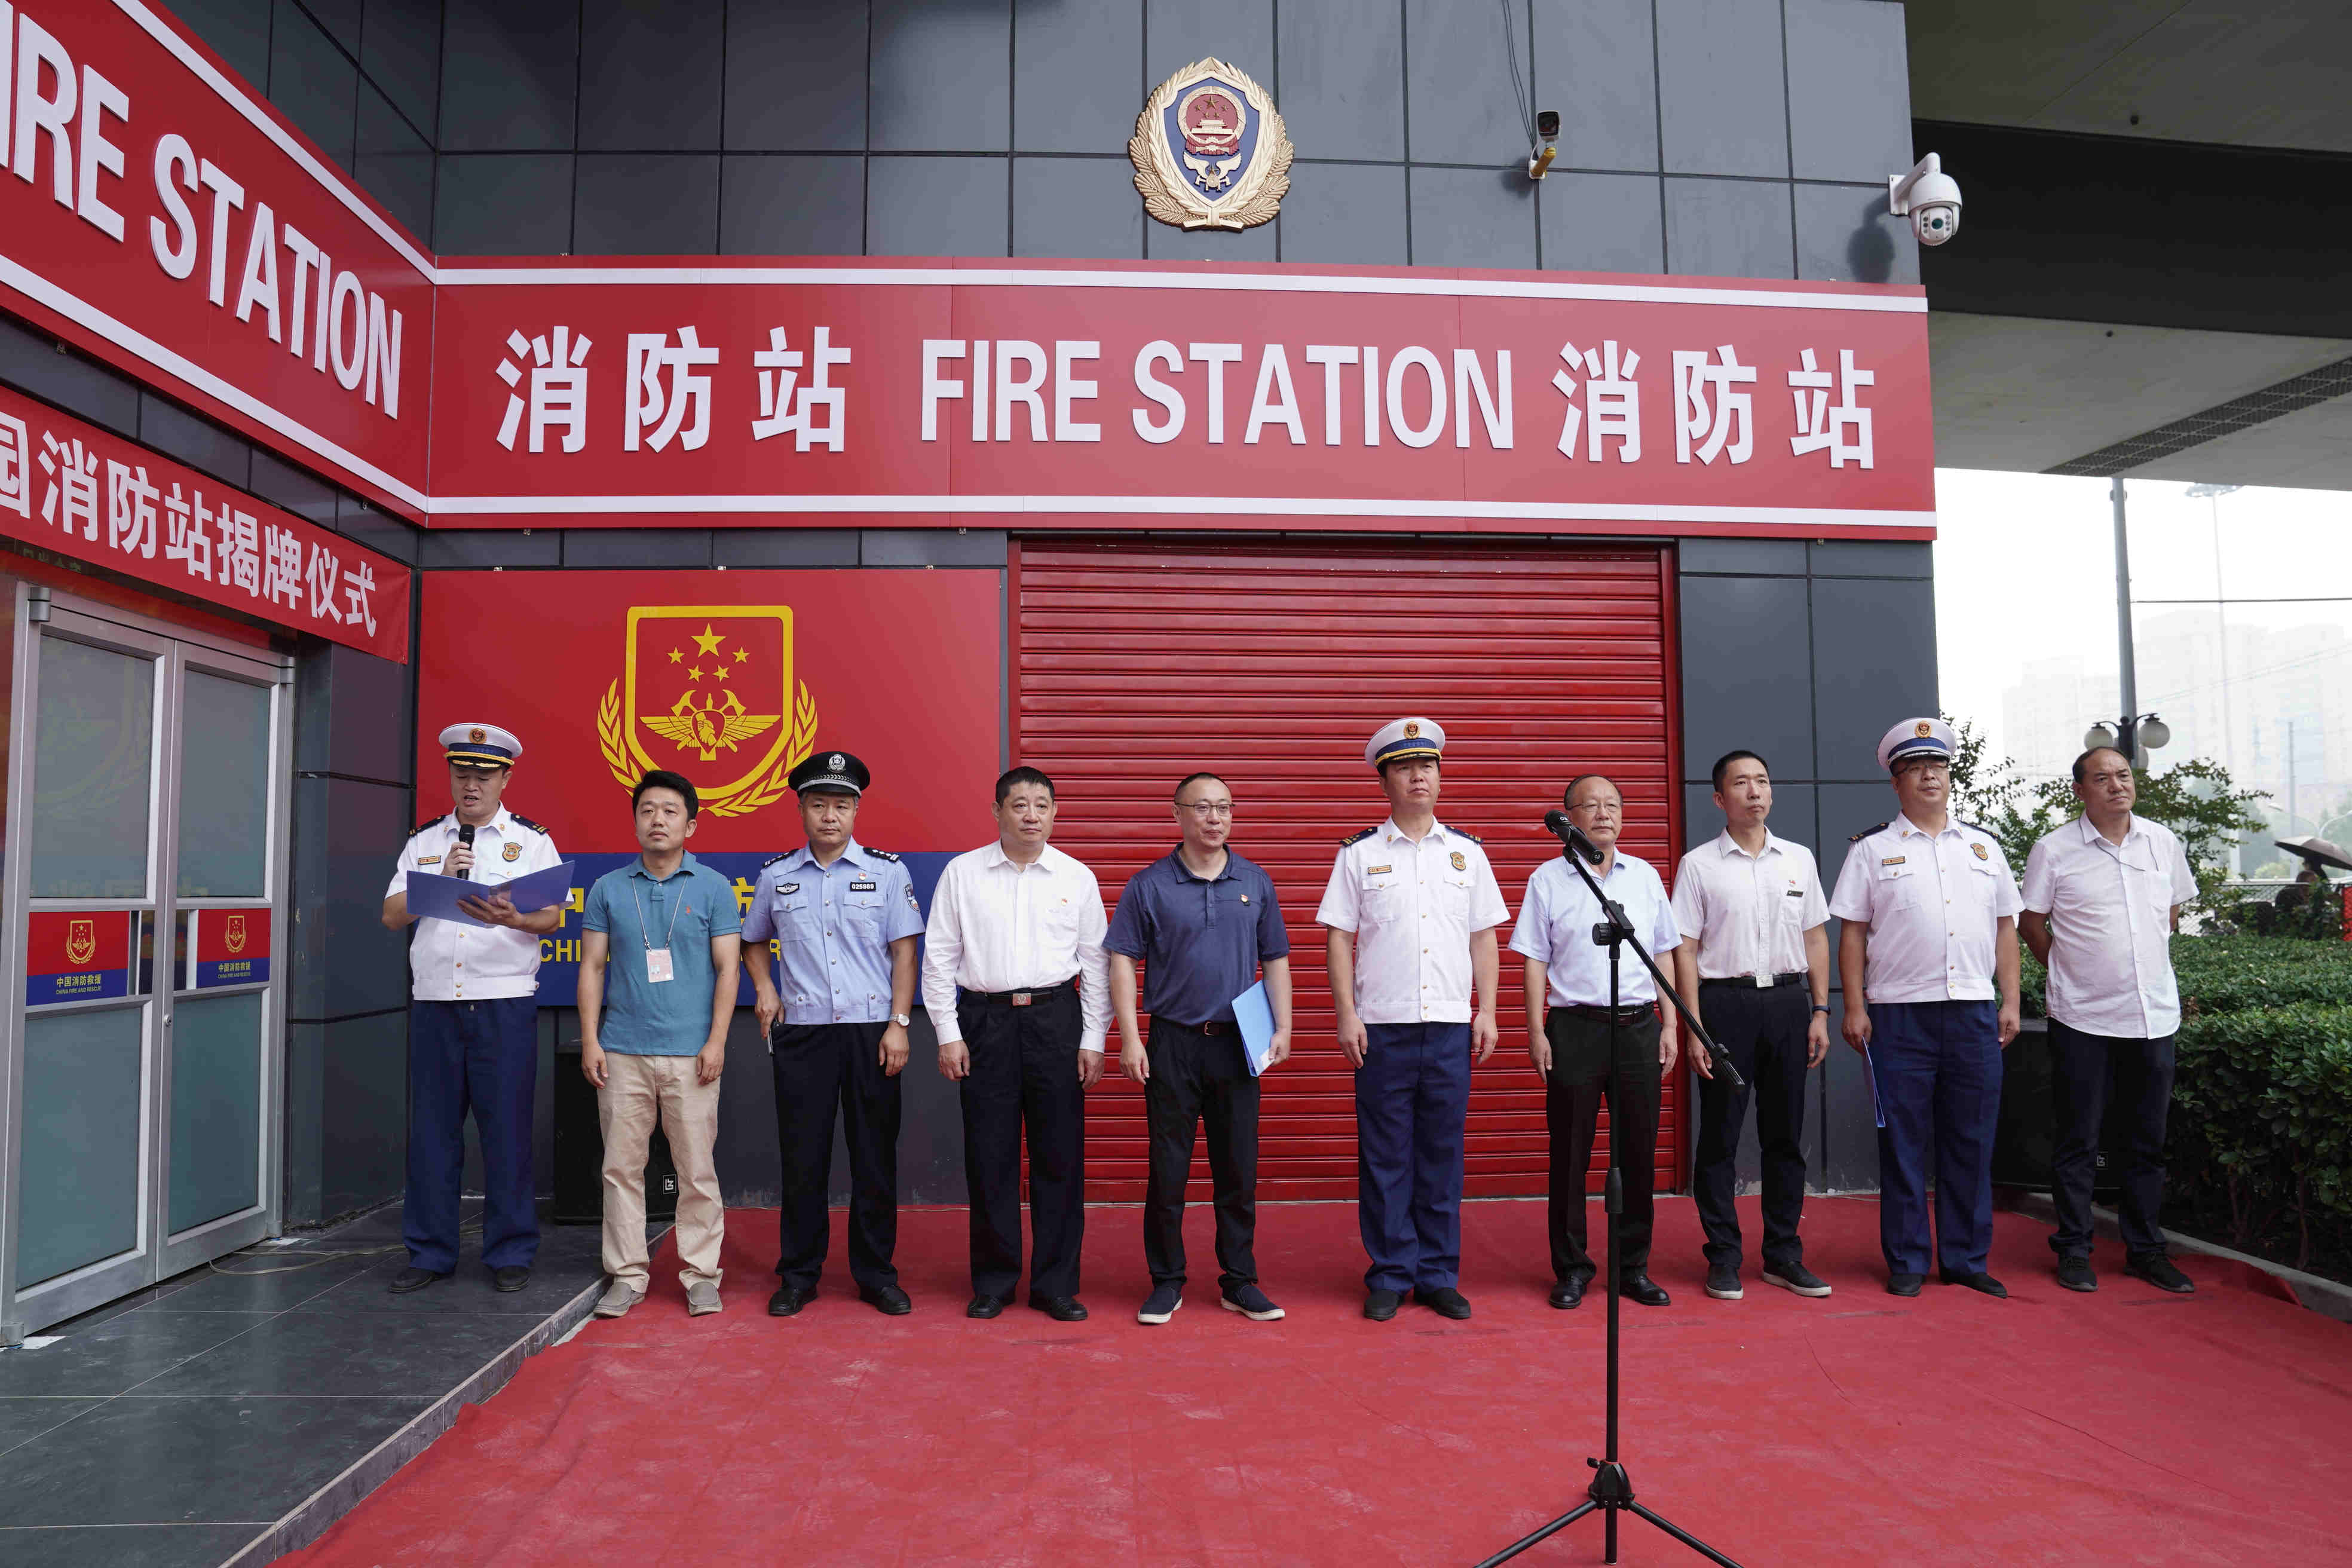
[67,486]
[166,219]
[78,957]
[227,947]
[1100,396]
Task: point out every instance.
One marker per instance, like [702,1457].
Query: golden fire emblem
[707,691]
[232,933]
[81,942]
[1209,150]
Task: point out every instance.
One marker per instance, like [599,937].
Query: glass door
[145,876]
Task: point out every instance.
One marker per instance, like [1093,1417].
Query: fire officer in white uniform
[473,1018]
[1928,958]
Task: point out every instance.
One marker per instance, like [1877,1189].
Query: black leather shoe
[413,1278]
[2075,1274]
[984,1306]
[1642,1288]
[1569,1293]
[1061,1308]
[1446,1301]
[511,1278]
[1379,1306]
[1905,1284]
[887,1299]
[789,1299]
[2159,1271]
[1978,1281]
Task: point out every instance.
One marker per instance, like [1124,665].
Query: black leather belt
[1212,1028]
[1622,1014]
[1020,998]
[1758,981]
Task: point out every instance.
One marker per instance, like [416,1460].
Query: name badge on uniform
[1894,860]
[658,965]
[1796,892]
[790,887]
[862,887]
[429,859]
[1377,870]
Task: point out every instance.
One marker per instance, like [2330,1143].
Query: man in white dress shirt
[1410,912]
[1928,957]
[1018,989]
[1570,1027]
[2102,896]
[1756,970]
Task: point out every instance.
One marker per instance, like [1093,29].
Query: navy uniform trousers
[1412,1094]
[816,1067]
[481,1056]
[1024,1078]
[1937,1066]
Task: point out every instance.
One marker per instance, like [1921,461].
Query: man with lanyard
[473,1022]
[845,921]
[1756,970]
[1568,1029]
[1929,941]
[1015,981]
[2102,896]
[1410,913]
[1203,921]
[658,965]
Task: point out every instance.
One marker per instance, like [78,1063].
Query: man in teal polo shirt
[656,993]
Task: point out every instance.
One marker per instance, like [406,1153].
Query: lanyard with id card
[658,966]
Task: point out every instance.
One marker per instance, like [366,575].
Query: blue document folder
[1256,1020]
[1870,1070]
[432,897]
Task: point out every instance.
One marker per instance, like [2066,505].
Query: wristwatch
[906,1021]
[1820,1006]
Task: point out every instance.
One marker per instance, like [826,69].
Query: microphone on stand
[466,838]
[1558,824]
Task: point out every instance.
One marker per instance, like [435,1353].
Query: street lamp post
[2135,734]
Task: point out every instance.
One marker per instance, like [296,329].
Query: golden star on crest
[695,673]
[719,674]
[675,657]
[706,641]
[742,654]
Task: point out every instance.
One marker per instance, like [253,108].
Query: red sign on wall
[67,486]
[228,947]
[165,220]
[77,956]
[588,393]
[730,678]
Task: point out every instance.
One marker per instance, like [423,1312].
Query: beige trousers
[637,1092]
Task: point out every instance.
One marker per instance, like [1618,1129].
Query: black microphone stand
[1612,1491]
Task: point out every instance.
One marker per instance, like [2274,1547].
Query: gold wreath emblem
[612,735]
[1256,195]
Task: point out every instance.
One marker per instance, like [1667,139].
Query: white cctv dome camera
[1929,197]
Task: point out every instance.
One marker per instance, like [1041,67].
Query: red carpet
[2124,1427]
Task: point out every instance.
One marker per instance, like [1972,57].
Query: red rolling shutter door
[1136,663]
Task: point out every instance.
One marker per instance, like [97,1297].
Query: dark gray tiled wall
[1805,653]
[1746,138]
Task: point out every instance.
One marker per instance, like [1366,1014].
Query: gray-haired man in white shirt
[1019,993]
[2102,895]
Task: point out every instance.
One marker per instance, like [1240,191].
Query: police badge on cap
[479,746]
[1929,738]
[836,770]
[1399,739]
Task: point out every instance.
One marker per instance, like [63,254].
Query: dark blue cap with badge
[830,770]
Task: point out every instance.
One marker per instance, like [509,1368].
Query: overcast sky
[2025,570]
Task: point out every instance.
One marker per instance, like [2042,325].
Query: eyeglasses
[1609,806]
[1207,807]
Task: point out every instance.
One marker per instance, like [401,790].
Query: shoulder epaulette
[773,859]
[1358,838]
[1974,827]
[1472,836]
[524,821]
[1874,827]
[880,854]
[428,822]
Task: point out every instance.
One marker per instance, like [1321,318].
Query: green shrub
[2262,1102]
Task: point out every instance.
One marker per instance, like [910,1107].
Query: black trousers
[2085,1071]
[1763,1033]
[1573,1100]
[819,1067]
[1024,1078]
[1195,1079]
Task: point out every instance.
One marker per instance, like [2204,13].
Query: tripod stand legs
[1612,1491]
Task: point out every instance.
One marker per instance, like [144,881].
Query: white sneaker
[617,1300]
[701,1299]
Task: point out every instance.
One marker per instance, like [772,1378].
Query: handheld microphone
[1567,833]
[466,838]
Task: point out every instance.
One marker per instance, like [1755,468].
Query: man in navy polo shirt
[1203,921]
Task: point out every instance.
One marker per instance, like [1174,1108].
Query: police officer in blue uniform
[473,1020]
[845,922]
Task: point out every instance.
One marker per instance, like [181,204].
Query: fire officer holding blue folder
[1204,922]
[473,1019]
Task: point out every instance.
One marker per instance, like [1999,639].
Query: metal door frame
[156,1254]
